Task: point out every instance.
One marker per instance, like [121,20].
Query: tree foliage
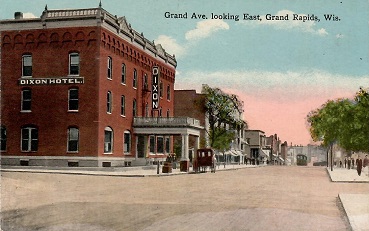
[345,121]
[222,110]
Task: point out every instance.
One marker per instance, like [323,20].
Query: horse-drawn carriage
[203,159]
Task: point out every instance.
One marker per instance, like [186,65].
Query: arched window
[110,68]
[109,101]
[134,78]
[123,73]
[73,139]
[145,83]
[123,105]
[29,139]
[168,92]
[108,140]
[127,142]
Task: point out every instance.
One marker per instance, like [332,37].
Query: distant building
[188,103]
[314,153]
[257,145]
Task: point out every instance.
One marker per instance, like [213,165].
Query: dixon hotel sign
[50,81]
[155,88]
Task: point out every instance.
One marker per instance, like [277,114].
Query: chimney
[18,15]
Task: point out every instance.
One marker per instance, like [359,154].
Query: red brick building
[74,84]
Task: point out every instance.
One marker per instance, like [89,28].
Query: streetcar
[301,159]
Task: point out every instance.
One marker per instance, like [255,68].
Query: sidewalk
[143,171]
[356,206]
[347,175]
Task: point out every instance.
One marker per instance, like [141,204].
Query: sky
[280,69]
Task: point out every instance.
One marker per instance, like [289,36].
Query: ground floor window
[29,139]
[108,140]
[159,144]
[152,144]
[73,139]
[127,142]
[167,144]
[3,138]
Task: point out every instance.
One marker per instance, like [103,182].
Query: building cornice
[90,17]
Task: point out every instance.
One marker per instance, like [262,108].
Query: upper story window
[145,83]
[147,110]
[27,65]
[29,139]
[110,68]
[161,89]
[123,105]
[134,107]
[134,78]
[73,99]
[73,139]
[73,64]
[109,102]
[168,92]
[26,100]
[3,138]
[123,73]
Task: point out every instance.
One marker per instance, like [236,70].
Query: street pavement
[357,212]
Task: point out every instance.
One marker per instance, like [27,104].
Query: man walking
[366,165]
[359,165]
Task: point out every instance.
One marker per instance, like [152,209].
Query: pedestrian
[359,165]
[353,163]
[366,165]
[348,163]
[345,162]
[340,163]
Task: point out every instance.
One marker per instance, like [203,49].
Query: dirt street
[265,198]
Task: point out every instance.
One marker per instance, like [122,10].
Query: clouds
[29,15]
[277,86]
[204,29]
[299,22]
[171,45]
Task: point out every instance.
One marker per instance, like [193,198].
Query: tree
[343,121]
[223,110]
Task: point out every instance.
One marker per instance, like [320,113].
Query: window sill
[72,152]
[26,111]
[77,75]
[73,111]
[108,153]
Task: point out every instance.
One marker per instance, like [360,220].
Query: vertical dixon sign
[155,88]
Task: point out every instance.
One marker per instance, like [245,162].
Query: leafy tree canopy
[345,121]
